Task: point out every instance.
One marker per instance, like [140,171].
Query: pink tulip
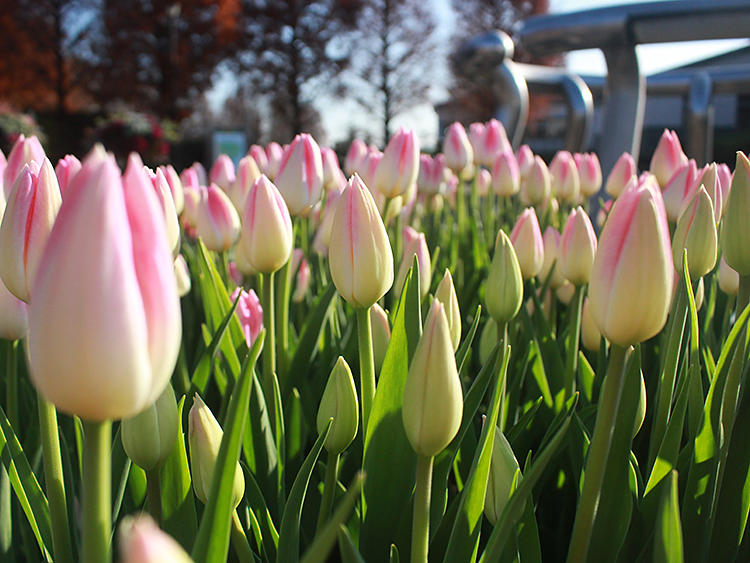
[222,172]
[578,247]
[622,172]
[667,158]
[525,158]
[526,237]
[29,216]
[258,154]
[431,180]
[552,258]
[302,285]
[632,276]
[708,177]
[275,154]
[14,323]
[217,222]
[538,184]
[323,234]
[476,134]
[300,177]
[680,189]
[66,168]
[200,173]
[493,142]
[175,187]
[189,218]
[189,179]
[247,172]
[729,279]
[457,149]
[566,184]
[24,151]
[104,321]
[250,314]
[590,173]
[506,176]
[331,169]
[141,541]
[399,167]
[725,181]
[164,195]
[355,157]
[734,227]
[484,180]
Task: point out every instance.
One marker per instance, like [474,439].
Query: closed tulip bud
[189,179]
[525,159]
[66,168]
[590,336]
[300,177]
[275,155]
[475,134]
[578,247]
[14,323]
[266,239]
[484,179]
[250,314]
[552,258]
[506,176]
[632,277]
[503,470]
[25,150]
[620,175]
[302,285]
[258,154]
[527,242]
[222,172]
[323,234]
[667,158]
[725,181]
[430,178]
[381,334]
[504,290]
[487,341]
[680,189]
[433,401]
[399,167]
[696,232]
[164,195]
[200,173]
[339,402]
[457,149]
[107,265]
[175,187]
[189,217]
[241,263]
[566,184]
[493,142]
[141,541]
[204,438]
[709,179]
[369,167]
[564,294]
[538,185]
[355,157]
[331,169]
[446,294]
[29,216]
[417,246]
[734,230]
[360,255]
[247,173]
[589,172]
[182,275]
[729,279]
[217,221]
[149,437]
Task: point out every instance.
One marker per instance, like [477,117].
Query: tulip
[667,158]
[399,167]
[217,221]
[189,217]
[222,172]
[331,169]
[258,154]
[66,168]
[729,279]
[302,285]
[24,151]
[506,177]
[578,247]
[734,229]
[525,158]
[527,242]
[266,239]
[457,149]
[200,173]
[430,179]
[275,155]
[300,177]
[620,175]
[381,334]
[182,275]
[249,313]
[503,471]
[323,234]
[417,246]
[504,289]
[107,266]
[589,172]
[29,216]
[175,187]
[433,401]
[476,134]
[14,323]
[696,232]
[566,184]
[189,178]
[632,275]
[446,294]
[164,195]
[247,173]
[360,255]
[725,181]
[484,179]
[552,258]
[709,178]
[355,157]
[141,541]
[339,402]
[680,189]
[150,436]
[591,338]
[204,438]
[565,293]
[493,142]
[538,184]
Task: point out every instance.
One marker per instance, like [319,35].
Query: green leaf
[269,537]
[463,350]
[393,556]
[212,542]
[668,540]
[347,549]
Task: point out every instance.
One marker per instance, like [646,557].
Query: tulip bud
[527,242]
[217,221]
[696,232]
[709,179]
[360,255]
[190,213]
[175,187]
[141,541]
[300,177]
[729,279]
[552,257]
[433,401]
[355,157]
[164,195]
[578,247]
[430,179]
[667,158]
[182,275]
[381,334]
[266,239]
[590,336]
[250,314]
[399,167]
[503,469]
[504,289]
[632,276]
[323,234]
[564,294]
[680,189]
[275,155]
[149,437]
[66,168]
[302,284]
[589,172]
[475,134]
[566,184]
[247,173]
[25,150]
[538,183]
[484,179]
[734,230]
[525,158]
[620,175]
[457,149]
[204,438]
[222,172]
[446,294]
[107,265]
[258,154]
[14,323]
[493,141]
[189,179]
[200,173]
[339,402]
[331,169]
[416,247]
[724,175]
[29,216]
[506,177]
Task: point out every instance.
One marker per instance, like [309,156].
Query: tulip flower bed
[411,358]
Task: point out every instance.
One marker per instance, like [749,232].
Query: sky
[339,116]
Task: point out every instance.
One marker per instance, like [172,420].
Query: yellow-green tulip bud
[503,469]
[696,232]
[339,402]
[149,437]
[381,334]
[729,279]
[446,294]
[204,437]
[433,401]
[141,541]
[734,230]
[504,289]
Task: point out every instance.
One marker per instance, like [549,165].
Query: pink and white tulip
[566,184]
[248,172]
[250,314]
[24,151]
[67,167]
[506,176]
[300,177]
[217,221]
[355,157]
[274,154]
[258,154]
[552,258]
[589,172]
[621,174]
[398,168]
[538,184]
[578,247]
[667,158]
[222,172]
[680,189]
[526,237]
[457,149]
[525,158]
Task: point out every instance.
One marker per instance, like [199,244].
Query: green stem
[54,480]
[97,492]
[366,364]
[596,463]
[574,337]
[329,489]
[283,286]
[153,494]
[420,530]
[239,540]
[502,335]
[269,344]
